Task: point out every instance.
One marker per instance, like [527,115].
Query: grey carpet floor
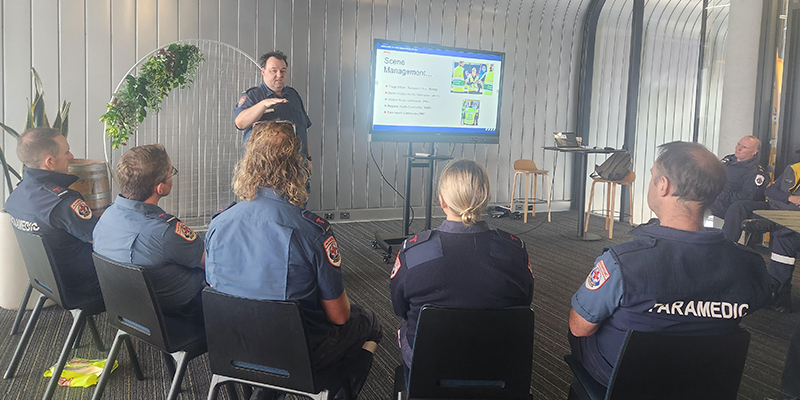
[559,264]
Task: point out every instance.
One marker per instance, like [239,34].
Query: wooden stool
[528,167]
[611,191]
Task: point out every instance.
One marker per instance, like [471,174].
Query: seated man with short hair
[43,204]
[676,277]
[746,179]
[135,230]
[268,247]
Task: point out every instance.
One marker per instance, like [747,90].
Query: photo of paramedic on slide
[469,112]
[465,78]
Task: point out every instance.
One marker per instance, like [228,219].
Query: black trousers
[738,212]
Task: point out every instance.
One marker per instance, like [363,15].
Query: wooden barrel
[93,183]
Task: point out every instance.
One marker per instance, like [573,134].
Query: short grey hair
[696,173]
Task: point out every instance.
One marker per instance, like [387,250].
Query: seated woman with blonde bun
[462,263]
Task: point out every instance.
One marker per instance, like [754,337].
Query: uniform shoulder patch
[729,159]
[396,267]
[511,238]
[598,276]
[332,251]
[417,239]
[760,179]
[185,232]
[241,100]
[316,220]
[81,209]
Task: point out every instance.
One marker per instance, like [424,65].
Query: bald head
[747,147]
[695,172]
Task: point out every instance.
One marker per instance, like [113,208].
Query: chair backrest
[472,354]
[257,340]
[661,366]
[40,263]
[131,304]
[525,165]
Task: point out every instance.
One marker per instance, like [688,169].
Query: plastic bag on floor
[80,372]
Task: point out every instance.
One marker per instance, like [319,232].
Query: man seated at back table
[673,277]
[746,179]
[135,230]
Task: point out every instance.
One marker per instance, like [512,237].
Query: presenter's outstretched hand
[268,103]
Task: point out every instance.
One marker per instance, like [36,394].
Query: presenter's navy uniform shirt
[270,249]
[43,204]
[458,265]
[293,110]
[666,280]
[134,232]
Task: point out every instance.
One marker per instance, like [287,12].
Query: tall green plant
[36,118]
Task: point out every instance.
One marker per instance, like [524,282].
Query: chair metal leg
[608,203]
[98,342]
[214,388]
[77,324]
[26,336]
[630,198]
[247,391]
[21,311]
[182,359]
[547,182]
[80,331]
[112,357]
[170,364]
[230,387]
[137,369]
[535,184]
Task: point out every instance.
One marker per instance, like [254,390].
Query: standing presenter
[273,100]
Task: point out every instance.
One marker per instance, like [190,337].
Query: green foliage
[171,67]
[36,118]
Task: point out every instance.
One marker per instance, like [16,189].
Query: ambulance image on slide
[470,109]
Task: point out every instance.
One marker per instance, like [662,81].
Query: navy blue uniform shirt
[43,204]
[293,110]
[457,265]
[270,249]
[667,280]
[746,180]
[143,234]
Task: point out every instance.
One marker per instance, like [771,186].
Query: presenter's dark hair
[35,144]
[140,169]
[697,174]
[262,61]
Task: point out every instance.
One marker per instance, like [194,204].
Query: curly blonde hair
[464,186]
[272,160]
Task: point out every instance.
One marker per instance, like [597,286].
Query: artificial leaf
[38,113]
[6,168]
[37,82]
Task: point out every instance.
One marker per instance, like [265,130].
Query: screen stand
[412,161]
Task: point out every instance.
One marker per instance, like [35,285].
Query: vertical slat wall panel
[713,72]
[329,44]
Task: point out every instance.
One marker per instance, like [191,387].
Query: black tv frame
[433,136]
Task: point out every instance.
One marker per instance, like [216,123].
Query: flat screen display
[429,93]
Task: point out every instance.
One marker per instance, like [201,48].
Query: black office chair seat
[661,366]
[134,310]
[45,277]
[470,354]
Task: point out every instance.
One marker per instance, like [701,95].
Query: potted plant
[13,276]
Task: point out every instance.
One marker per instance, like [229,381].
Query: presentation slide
[449,94]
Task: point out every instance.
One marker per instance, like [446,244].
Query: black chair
[756,227]
[660,366]
[46,279]
[270,350]
[470,354]
[132,308]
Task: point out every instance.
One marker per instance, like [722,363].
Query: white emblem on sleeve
[759,180]
[598,276]
[332,251]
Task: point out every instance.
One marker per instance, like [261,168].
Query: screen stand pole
[407,199]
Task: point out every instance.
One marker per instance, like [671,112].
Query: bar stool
[528,167]
[611,191]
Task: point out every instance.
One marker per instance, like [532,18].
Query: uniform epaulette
[729,158]
[216,214]
[169,218]
[56,190]
[316,220]
[510,238]
[417,239]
